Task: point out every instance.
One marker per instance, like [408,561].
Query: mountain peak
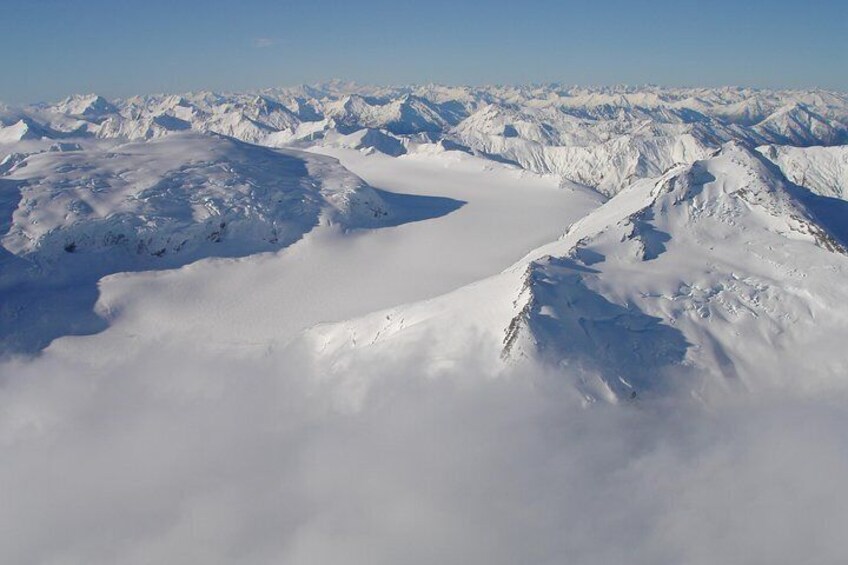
[86,105]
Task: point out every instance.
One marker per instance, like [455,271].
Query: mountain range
[711,260]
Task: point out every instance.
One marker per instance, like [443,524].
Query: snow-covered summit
[18,131]
[603,137]
[703,279]
[177,198]
[90,106]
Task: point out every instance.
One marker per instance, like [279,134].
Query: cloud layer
[179,455]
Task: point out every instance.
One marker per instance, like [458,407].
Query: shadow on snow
[39,304]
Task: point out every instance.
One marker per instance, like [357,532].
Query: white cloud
[263,42]
[178,455]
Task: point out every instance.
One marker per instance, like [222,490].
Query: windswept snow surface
[330,275]
[718,274]
[76,215]
[428,324]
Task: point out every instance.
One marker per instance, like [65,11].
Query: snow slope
[183,194]
[480,218]
[823,170]
[77,214]
[718,276]
[174,196]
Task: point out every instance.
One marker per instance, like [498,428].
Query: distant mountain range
[604,138]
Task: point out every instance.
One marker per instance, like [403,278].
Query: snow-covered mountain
[178,195]
[717,275]
[75,212]
[603,137]
[703,239]
[558,324]
[823,170]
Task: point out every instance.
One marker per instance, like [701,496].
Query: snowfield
[349,324]
[177,194]
[668,280]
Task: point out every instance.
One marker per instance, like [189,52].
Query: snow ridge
[650,293]
[603,137]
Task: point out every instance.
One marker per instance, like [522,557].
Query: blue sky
[55,47]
